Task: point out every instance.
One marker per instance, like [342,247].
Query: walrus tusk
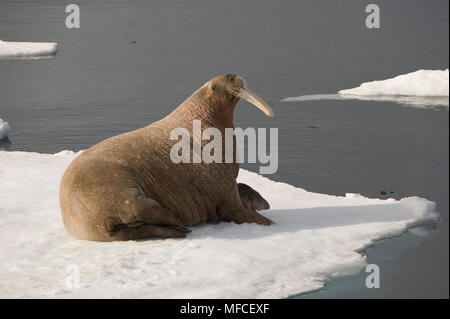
[253,98]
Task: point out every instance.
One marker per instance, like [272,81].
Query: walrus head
[230,88]
[220,96]
[214,102]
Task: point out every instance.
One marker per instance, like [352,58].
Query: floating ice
[4,129]
[414,101]
[419,83]
[26,49]
[422,88]
[316,237]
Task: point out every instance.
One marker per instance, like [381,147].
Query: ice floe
[423,88]
[316,237]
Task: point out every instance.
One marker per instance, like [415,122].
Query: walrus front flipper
[244,215]
[251,199]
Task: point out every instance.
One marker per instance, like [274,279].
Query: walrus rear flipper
[146,220]
[147,232]
[150,212]
[251,199]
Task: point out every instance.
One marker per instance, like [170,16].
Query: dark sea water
[101,84]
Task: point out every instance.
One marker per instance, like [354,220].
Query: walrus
[127,188]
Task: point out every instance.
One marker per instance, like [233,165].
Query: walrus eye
[253,98]
[212,86]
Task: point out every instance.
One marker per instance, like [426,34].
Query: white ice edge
[27,49]
[316,237]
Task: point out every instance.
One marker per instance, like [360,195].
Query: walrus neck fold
[214,110]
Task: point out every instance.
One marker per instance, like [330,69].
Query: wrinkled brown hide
[126,187]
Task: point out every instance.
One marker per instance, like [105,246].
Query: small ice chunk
[27,49]
[4,129]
